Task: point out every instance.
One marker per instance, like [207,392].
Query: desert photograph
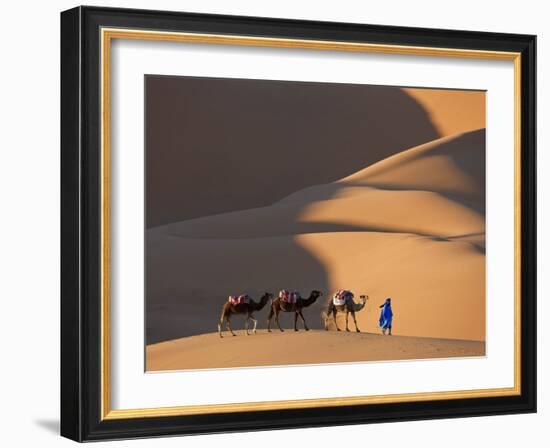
[293,223]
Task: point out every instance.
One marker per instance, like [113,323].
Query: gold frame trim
[107,35]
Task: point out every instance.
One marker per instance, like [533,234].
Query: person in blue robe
[386,316]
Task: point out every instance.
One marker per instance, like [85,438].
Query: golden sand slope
[436,286]
[313,347]
[410,227]
[453,165]
[451,111]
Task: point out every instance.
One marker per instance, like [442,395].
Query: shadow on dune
[219,145]
[299,228]
[188,281]
[464,153]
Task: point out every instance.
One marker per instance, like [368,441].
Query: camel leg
[355,322]
[255,323]
[334,316]
[327,316]
[269,318]
[347,319]
[303,320]
[277,320]
[220,323]
[228,324]
[246,324]
[222,318]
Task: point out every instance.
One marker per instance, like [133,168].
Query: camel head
[315,294]
[360,306]
[266,297]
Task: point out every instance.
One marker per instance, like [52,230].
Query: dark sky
[219,145]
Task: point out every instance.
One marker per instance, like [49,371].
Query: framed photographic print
[276,224]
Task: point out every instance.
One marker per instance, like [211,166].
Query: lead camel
[349,307]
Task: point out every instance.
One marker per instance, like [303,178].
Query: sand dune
[351,208]
[192,171]
[437,286]
[410,227]
[333,130]
[313,347]
[454,165]
[430,179]
[451,111]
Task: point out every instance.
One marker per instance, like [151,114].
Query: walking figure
[386,316]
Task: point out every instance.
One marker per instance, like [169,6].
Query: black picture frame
[81,227]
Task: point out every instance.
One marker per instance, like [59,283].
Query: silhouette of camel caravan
[291,302]
[342,302]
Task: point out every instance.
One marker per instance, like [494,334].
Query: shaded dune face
[411,226]
[442,181]
[189,280]
[301,133]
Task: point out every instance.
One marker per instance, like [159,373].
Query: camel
[278,305]
[229,310]
[350,307]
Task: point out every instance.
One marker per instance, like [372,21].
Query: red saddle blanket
[289,296]
[238,300]
[341,296]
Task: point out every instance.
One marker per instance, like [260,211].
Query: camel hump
[289,296]
[342,296]
[240,299]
